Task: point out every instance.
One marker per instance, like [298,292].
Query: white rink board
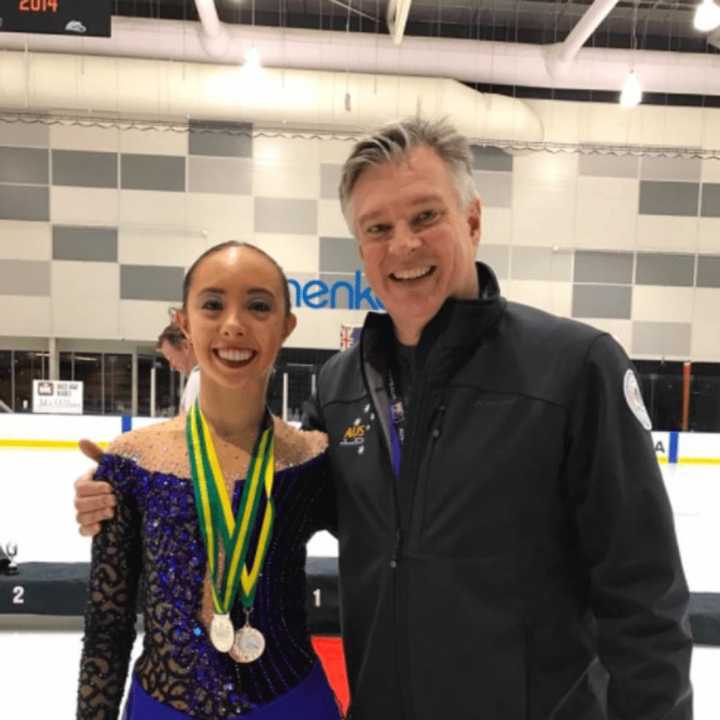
[36,492]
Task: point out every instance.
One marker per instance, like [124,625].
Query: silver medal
[249,644]
[222,633]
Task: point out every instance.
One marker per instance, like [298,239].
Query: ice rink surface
[39,657]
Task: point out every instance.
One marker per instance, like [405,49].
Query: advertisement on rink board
[58,397]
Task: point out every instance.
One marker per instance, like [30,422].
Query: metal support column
[153,389]
[53,360]
[134,383]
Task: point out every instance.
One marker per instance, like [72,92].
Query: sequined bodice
[156,533]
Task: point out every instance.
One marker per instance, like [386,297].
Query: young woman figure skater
[214,510]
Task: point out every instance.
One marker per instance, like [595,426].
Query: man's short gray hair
[394,142]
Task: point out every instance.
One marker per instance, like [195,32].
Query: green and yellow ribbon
[218,525]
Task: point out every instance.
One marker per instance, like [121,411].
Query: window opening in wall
[107,379]
[661,384]
[301,366]
[117,383]
[27,365]
[145,364]
[300,385]
[66,366]
[705,397]
[275,391]
[6,381]
[167,383]
[87,367]
[166,386]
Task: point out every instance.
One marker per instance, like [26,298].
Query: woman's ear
[290,324]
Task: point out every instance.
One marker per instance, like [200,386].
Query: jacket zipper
[396,549]
[408,452]
[382,412]
[435,427]
[394,560]
[437,420]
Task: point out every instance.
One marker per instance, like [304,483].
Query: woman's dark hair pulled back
[187,282]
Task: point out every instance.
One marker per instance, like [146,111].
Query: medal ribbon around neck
[218,525]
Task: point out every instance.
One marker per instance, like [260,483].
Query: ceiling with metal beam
[657,24]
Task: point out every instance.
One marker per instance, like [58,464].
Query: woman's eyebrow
[249,291]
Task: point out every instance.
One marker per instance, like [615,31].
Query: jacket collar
[458,323]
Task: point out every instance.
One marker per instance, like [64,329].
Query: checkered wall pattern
[98,225]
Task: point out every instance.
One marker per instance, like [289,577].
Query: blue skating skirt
[312,698]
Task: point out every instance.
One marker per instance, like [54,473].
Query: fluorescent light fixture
[707,16]
[631,94]
[252,59]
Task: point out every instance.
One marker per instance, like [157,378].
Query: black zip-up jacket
[524,566]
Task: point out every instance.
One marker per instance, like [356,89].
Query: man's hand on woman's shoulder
[94,499]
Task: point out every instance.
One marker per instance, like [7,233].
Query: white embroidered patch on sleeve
[634,399]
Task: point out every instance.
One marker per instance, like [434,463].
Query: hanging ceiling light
[252,59]
[707,16]
[252,64]
[631,95]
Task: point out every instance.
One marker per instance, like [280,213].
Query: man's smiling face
[417,242]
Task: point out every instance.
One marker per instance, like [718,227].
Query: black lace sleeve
[110,615]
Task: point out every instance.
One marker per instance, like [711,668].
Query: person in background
[507,548]
[214,509]
[179,353]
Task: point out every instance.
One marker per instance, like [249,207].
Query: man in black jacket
[507,549]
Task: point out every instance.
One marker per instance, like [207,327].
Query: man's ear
[181,320]
[474,220]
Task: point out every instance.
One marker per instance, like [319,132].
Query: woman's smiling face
[236,316]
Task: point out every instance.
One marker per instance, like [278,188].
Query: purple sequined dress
[155,533]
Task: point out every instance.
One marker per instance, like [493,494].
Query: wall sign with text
[57,17]
[59,397]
